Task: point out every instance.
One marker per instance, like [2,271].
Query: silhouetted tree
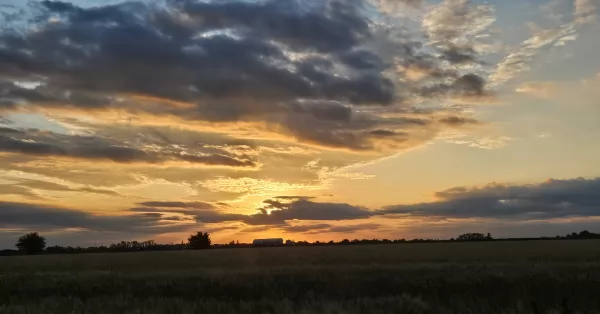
[31,243]
[199,241]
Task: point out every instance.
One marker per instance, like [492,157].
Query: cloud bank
[495,204]
[547,200]
[299,68]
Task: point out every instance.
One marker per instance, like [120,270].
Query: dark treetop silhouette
[31,243]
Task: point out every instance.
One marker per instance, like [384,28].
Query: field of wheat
[490,277]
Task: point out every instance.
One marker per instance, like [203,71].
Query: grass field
[492,277]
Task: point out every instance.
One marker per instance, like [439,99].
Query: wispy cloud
[585,11]
[460,29]
[486,142]
[254,186]
[520,60]
[538,89]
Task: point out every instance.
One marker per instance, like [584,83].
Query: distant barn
[268,242]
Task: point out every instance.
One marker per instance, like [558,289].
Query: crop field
[553,277]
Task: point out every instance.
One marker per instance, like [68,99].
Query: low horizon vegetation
[34,243]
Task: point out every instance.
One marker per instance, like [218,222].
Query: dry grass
[497,277]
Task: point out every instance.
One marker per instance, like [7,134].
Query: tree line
[34,243]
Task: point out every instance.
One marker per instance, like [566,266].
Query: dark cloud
[327,228]
[187,205]
[325,26]
[139,44]
[219,229]
[36,143]
[161,210]
[43,218]
[216,160]
[362,59]
[551,199]
[51,186]
[96,191]
[306,210]
[468,85]
[324,111]
[293,197]
[152,215]
[9,130]
[201,212]
[547,200]
[459,55]
[302,68]
[353,228]
[216,217]
[458,121]
[256,229]
[362,133]
[275,212]
[13,189]
[176,218]
[306,228]
[542,203]
[383,133]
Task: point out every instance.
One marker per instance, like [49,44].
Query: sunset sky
[301,119]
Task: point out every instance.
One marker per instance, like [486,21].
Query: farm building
[268,242]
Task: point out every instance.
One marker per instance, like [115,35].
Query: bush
[199,241]
[31,243]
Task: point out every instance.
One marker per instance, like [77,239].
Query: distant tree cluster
[199,241]
[582,235]
[33,243]
[123,246]
[474,237]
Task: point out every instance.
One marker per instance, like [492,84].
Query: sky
[300,119]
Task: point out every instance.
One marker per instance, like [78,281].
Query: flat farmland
[548,276]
